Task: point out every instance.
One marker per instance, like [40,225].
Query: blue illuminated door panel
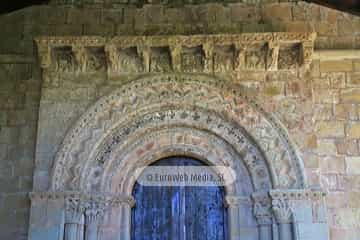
[179,212]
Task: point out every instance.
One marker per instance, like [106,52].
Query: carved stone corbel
[145,53]
[272,56]
[81,57]
[307,52]
[44,52]
[240,56]
[112,56]
[176,57]
[208,49]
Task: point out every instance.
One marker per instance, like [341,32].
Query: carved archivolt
[131,116]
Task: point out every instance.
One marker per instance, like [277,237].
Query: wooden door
[179,212]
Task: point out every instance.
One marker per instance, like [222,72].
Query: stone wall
[319,108]
[19,104]
[335,29]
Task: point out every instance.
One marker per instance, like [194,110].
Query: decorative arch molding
[204,98]
[177,114]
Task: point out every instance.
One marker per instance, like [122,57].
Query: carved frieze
[224,59]
[192,59]
[160,60]
[65,61]
[130,61]
[289,57]
[255,58]
[200,53]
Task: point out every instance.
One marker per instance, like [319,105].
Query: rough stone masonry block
[354,200]
[336,66]
[326,147]
[242,13]
[352,165]
[353,130]
[16,201]
[311,231]
[277,12]
[350,96]
[330,129]
[357,65]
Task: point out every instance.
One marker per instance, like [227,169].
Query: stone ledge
[334,55]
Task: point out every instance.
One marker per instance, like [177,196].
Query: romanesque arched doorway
[180,211]
[159,116]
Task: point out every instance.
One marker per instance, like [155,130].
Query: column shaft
[265,232]
[234,224]
[125,221]
[71,231]
[91,231]
[285,231]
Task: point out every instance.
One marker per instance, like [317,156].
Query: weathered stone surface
[332,164]
[337,200]
[350,96]
[347,147]
[346,112]
[336,66]
[326,147]
[353,130]
[353,79]
[330,129]
[331,97]
[352,165]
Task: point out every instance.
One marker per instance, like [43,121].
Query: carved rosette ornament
[245,52]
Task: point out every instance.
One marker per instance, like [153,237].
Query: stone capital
[262,208]
[94,211]
[74,210]
[282,211]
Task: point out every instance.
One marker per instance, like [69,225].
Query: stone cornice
[228,53]
[109,199]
